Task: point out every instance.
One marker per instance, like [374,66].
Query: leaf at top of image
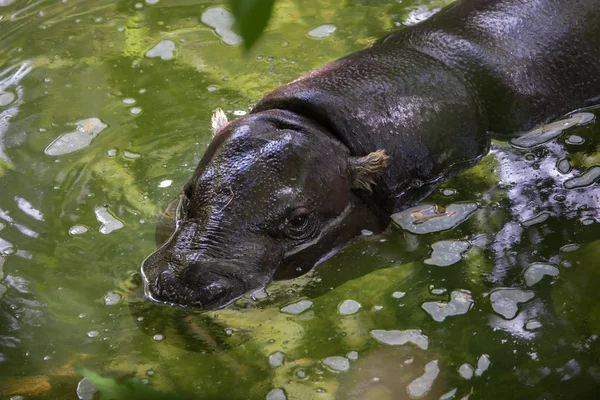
[252,17]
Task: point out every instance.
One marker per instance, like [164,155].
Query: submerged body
[341,148]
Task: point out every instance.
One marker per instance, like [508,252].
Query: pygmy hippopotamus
[341,148]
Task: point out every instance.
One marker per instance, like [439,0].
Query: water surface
[104,113]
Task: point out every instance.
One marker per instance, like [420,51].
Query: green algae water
[487,290]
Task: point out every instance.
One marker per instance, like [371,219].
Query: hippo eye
[299,224]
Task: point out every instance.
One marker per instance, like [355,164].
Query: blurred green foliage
[252,17]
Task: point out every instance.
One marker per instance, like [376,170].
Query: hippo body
[339,149]
[430,94]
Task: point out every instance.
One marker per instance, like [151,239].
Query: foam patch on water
[466,371]
[221,21]
[78,230]
[563,166]
[276,394]
[3,288]
[112,298]
[297,308]
[505,301]
[29,209]
[276,359]
[568,248]
[130,155]
[322,31]
[420,386]
[109,222]
[447,252]
[538,219]
[429,219]
[535,272]
[6,98]
[483,363]
[575,139]
[398,338]
[163,49]
[550,131]
[586,179]
[87,130]
[460,303]
[337,363]
[448,395]
[86,390]
[348,307]
[533,324]
[421,13]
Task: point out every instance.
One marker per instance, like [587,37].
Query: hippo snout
[195,285]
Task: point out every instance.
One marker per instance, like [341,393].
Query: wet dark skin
[341,148]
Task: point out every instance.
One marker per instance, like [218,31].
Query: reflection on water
[489,286]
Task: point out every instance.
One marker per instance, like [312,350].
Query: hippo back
[429,94]
[530,61]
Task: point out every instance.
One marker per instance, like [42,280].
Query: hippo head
[274,194]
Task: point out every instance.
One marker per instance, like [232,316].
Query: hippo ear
[218,121]
[365,170]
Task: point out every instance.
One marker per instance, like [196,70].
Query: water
[134,85]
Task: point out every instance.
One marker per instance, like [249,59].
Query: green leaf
[251,18]
[126,388]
